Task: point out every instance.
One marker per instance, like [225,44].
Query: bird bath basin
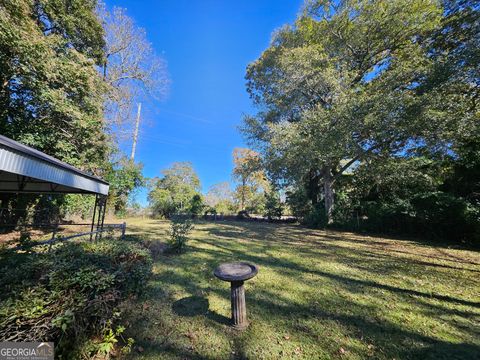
[236,273]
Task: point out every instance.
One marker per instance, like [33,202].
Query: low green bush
[445,216]
[273,205]
[316,218]
[69,295]
[179,229]
[434,216]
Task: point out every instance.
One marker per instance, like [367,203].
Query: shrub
[210,211]
[68,295]
[298,202]
[196,205]
[316,218]
[273,205]
[446,217]
[179,229]
[432,215]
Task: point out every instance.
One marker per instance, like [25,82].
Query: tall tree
[248,171]
[131,69]
[340,86]
[221,197]
[124,176]
[177,190]
[132,73]
[50,91]
[452,89]
[218,193]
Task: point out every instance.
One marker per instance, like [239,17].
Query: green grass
[318,295]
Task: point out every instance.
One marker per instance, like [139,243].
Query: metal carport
[26,170]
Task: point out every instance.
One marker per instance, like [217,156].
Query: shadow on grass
[406,344]
[156,349]
[293,268]
[264,245]
[385,245]
[191,306]
[264,229]
[197,306]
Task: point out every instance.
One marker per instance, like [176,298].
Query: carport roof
[26,170]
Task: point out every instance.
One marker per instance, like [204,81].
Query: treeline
[178,191]
[368,116]
[70,75]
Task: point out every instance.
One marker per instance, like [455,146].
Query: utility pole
[135,135]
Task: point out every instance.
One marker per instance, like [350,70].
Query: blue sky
[207,44]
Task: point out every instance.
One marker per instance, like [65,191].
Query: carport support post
[239,308]
[102,203]
[93,218]
[104,211]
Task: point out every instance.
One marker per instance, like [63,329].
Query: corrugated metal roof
[24,169]
[15,145]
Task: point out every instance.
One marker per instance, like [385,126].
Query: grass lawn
[318,295]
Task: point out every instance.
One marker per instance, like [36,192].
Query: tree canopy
[131,69]
[177,191]
[53,104]
[352,83]
[56,94]
[248,172]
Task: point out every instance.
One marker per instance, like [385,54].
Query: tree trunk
[244,182]
[328,194]
[313,186]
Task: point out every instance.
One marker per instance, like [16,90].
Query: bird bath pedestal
[236,274]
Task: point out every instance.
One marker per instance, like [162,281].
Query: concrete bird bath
[236,273]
